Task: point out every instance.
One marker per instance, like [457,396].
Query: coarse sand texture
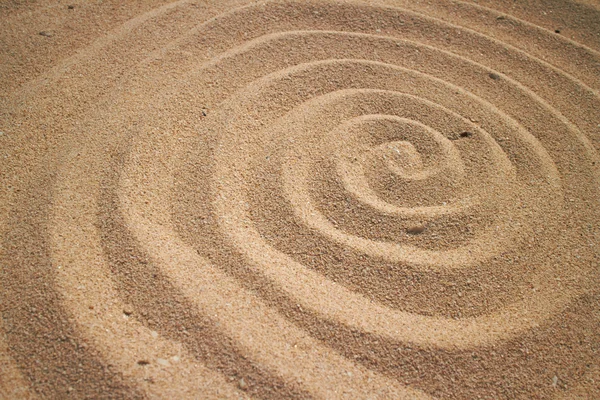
[319,199]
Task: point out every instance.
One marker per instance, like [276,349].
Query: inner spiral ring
[296,172]
[235,173]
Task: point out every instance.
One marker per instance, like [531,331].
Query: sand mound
[301,199]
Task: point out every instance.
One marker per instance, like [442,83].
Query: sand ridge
[301,199]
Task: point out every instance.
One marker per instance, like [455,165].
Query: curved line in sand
[56,72]
[574,129]
[511,47]
[295,176]
[84,280]
[532,26]
[402,326]
[356,183]
[301,200]
[162,243]
[336,303]
[411,12]
[242,315]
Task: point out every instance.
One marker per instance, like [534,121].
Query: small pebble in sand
[70,7]
[494,76]
[46,33]
[163,362]
[143,362]
[127,310]
[416,229]
[243,384]
[465,134]
[557,31]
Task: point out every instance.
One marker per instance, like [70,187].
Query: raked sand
[300,199]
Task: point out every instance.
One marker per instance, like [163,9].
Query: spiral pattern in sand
[322,199]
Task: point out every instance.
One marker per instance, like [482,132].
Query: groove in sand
[313,199]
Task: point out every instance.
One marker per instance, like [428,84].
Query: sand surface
[300,199]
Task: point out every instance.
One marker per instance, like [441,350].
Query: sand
[300,199]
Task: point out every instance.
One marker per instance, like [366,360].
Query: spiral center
[401,159]
[390,158]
